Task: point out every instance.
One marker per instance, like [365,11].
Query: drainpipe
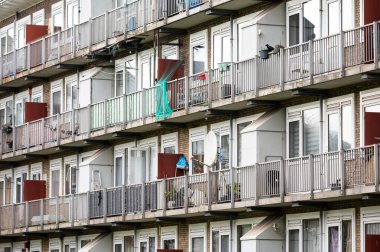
[321,234]
[231,232]
[232,170]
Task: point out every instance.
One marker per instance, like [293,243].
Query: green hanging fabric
[163,109]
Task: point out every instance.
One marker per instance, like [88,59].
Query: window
[221,45]
[6,108]
[71,177]
[55,177]
[303,22]
[71,94]
[170,51]
[197,233]
[21,174]
[169,237]
[340,128]
[36,246]
[7,39]
[220,238]
[57,15]
[303,232]
[69,244]
[241,231]
[38,17]
[169,143]
[72,16]
[36,171]
[37,94]
[5,188]
[198,52]
[20,107]
[21,31]
[119,83]
[222,131]
[150,146]
[147,240]
[196,151]
[303,127]
[147,74]
[56,97]
[119,171]
[54,245]
[240,127]
[124,241]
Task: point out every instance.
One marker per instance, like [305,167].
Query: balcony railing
[306,61]
[312,174]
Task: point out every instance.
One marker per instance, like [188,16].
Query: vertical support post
[43,53]
[143,199]
[376,44]
[257,183]
[72,201]
[105,205]
[42,213]
[282,180]
[125,110]
[106,24]
[74,39]
[91,23]
[28,135]
[165,206]
[58,128]
[342,54]
[90,120]
[282,68]
[311,61]
[13,218]
[187,6]
[27,215]
[1,68]
[233,183]
[342,172]
[123,202]
[57,211]
[376,166]
[311,175]
[59,46]
[43,133]
[73,128]
[27,57]
[232,66]
[105,114]
[187,101]
[143,105]
[186,193]
[88,207]
[256,74]
[209,189]
[209,88]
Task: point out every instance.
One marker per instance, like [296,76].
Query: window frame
[36,169]
[196,134]
[223,228]
[55,165]
[169,140]
[71,161]
[54,244]
[368,98]
[20,172]
[222,30]
[198,231]
[143,235]
[119,236]
[3,176]
[222,129]
[169,233]
[198,39]
[72,83]
[250,221]
[57,9]
[55,87]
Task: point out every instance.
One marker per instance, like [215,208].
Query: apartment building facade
[190,125]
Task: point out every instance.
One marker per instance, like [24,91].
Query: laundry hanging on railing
[169,70]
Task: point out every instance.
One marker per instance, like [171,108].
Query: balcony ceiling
[9,8]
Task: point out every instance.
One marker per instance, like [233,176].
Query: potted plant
[7,128]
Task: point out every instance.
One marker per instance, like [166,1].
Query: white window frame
[239,222]
[295,113]
[169,233]
[197,39]
[71,4]
[334,218]
[37,92]
[54,243]
[148,144]
[223,227]
[3,175]
[18,173]
[36,245]
[71,81]
[367,98]
[20,98]
[118,238]
[38,17]
[72,161]
[55,165]
[335,105]
[146,57]
[36,169]
[21,26]
[295,222]
[84,238]
[196,134]
[71,242]
[198,231]
[222,30]
[4,33]
[121,65]
[57,9]
[171,51]
[5,245]
[143,235]
[169,140]
[222,129]
[56,86]
[121,150]
[368,215]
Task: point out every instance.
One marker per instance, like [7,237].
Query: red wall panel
[165,66]
[35,32]
[34,189]
[371,128]
[35,111]
[167,164]
[371,11]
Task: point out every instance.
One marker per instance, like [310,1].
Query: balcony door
[371,127]
[138,164]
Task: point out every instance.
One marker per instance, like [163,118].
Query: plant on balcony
[236,187]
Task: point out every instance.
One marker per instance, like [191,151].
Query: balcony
[323,177]
[321,63]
